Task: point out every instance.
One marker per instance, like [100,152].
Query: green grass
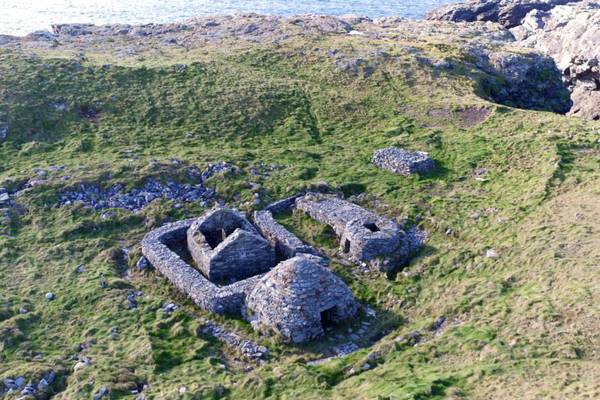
[521,326]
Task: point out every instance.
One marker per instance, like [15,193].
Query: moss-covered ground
[523,325]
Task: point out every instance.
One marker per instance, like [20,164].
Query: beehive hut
[298,299]
[226,246]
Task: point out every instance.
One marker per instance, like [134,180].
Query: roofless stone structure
[364,235]
[226,247]
[298,299]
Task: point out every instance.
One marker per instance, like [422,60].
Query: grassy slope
[520,326]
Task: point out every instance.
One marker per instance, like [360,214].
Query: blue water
[19,17]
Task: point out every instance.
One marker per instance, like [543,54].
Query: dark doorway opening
[346,246]
[372,227]
[328,320]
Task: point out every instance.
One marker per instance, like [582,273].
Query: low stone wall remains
[208,296]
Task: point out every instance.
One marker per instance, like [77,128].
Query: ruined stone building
[298,299]
[364,235]
[236,269]
[227,248]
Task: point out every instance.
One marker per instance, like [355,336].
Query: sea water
[20,17]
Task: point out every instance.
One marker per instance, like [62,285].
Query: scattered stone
[102,392]
[170,308]
[142,263]
[438,324]
[250,350]
[366,367]
[80,269]
[132,299]
[3,129]
[491,253]
[137,199]
[50,296]
[346,348]
[23,311]
[82,364]
[403,162]
[20,381]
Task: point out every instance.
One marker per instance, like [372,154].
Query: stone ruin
[226,247]
[364,236]
[298,299]
[403,162]
[235,271]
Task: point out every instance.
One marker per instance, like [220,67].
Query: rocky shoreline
[568,31]
[546,51]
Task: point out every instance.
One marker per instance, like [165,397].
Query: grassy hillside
[522,325]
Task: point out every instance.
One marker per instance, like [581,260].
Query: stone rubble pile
[249,349]
[403,162]
[18,385]
[137,199]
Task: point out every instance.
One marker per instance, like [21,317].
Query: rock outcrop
[508,13]
[571,36]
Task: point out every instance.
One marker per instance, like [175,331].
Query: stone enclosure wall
[207,295]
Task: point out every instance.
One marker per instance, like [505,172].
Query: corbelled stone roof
[295,297]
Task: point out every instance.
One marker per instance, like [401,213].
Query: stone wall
[364,235]
[208,296]
[285,242]
[227,248]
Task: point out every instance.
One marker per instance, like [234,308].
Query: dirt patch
[472,116]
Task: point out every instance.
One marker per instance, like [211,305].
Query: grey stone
[226,247]
[102,392]
[204,293]
[285,242]
[50,296]
[297,298]
[20,381]
[403,162]
[3,129]
[142,263]
[364,235]
[508,13]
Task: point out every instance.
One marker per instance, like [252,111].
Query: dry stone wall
[227,248]
[285,242]
[207,295]
[364,235]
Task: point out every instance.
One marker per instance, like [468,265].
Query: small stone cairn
[403,162]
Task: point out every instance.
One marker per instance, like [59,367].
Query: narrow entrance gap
[328,318]
[347,246]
